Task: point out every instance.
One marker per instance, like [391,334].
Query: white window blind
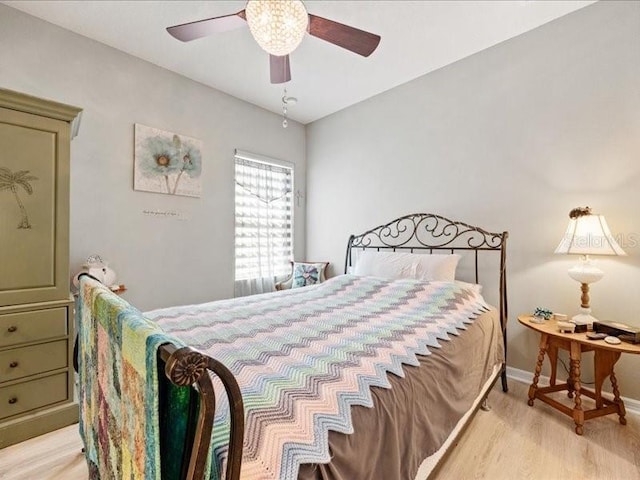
[264,217]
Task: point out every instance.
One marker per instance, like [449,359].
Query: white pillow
[437,267]
[391,265]
[394,265]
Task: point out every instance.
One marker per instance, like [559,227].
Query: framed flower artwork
[166,162]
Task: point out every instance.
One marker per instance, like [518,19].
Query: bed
[408,358]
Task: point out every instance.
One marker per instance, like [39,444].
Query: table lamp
[587,234]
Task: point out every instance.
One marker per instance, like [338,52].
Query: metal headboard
[427,231]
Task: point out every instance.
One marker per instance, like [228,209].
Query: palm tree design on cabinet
[11,181]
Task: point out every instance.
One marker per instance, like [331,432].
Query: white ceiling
[417,37]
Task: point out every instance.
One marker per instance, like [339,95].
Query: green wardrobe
[36,309]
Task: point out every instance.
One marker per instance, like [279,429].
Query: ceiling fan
[279,26]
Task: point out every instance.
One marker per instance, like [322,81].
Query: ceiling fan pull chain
[284,109]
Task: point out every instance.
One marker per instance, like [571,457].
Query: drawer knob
[12,329]
[13,400]
[13,364]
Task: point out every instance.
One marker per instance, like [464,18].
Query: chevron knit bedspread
[302,357]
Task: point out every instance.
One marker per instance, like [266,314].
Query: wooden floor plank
[512,441]
[515,441]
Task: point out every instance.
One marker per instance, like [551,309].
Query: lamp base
[585,271]
[584,320]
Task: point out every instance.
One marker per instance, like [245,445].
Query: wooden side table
[605,357]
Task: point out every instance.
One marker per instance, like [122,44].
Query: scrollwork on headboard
[428,231]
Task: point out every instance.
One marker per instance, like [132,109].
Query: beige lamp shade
[589,235]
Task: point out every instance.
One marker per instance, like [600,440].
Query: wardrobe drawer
[23,362]
[26,396]
[32,326]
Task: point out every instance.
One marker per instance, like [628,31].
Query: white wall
[510,139]
[162,262]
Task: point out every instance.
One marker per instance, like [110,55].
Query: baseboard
[631,405]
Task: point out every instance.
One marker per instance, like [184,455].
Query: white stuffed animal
[99,269]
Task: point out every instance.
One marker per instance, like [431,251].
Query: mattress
[432,334]
[412,420]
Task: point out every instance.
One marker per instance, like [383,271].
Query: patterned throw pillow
[307,274]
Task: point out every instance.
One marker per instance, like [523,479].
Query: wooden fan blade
[355,40]
[280,69]
[202,28]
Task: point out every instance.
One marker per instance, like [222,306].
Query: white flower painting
[166,162]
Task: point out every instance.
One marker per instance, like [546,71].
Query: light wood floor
[512,441]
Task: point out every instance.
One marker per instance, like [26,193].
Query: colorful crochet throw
[303,357]
[119,386]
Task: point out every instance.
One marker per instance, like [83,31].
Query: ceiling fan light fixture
[277,25]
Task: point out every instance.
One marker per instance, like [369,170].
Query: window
[264,221]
